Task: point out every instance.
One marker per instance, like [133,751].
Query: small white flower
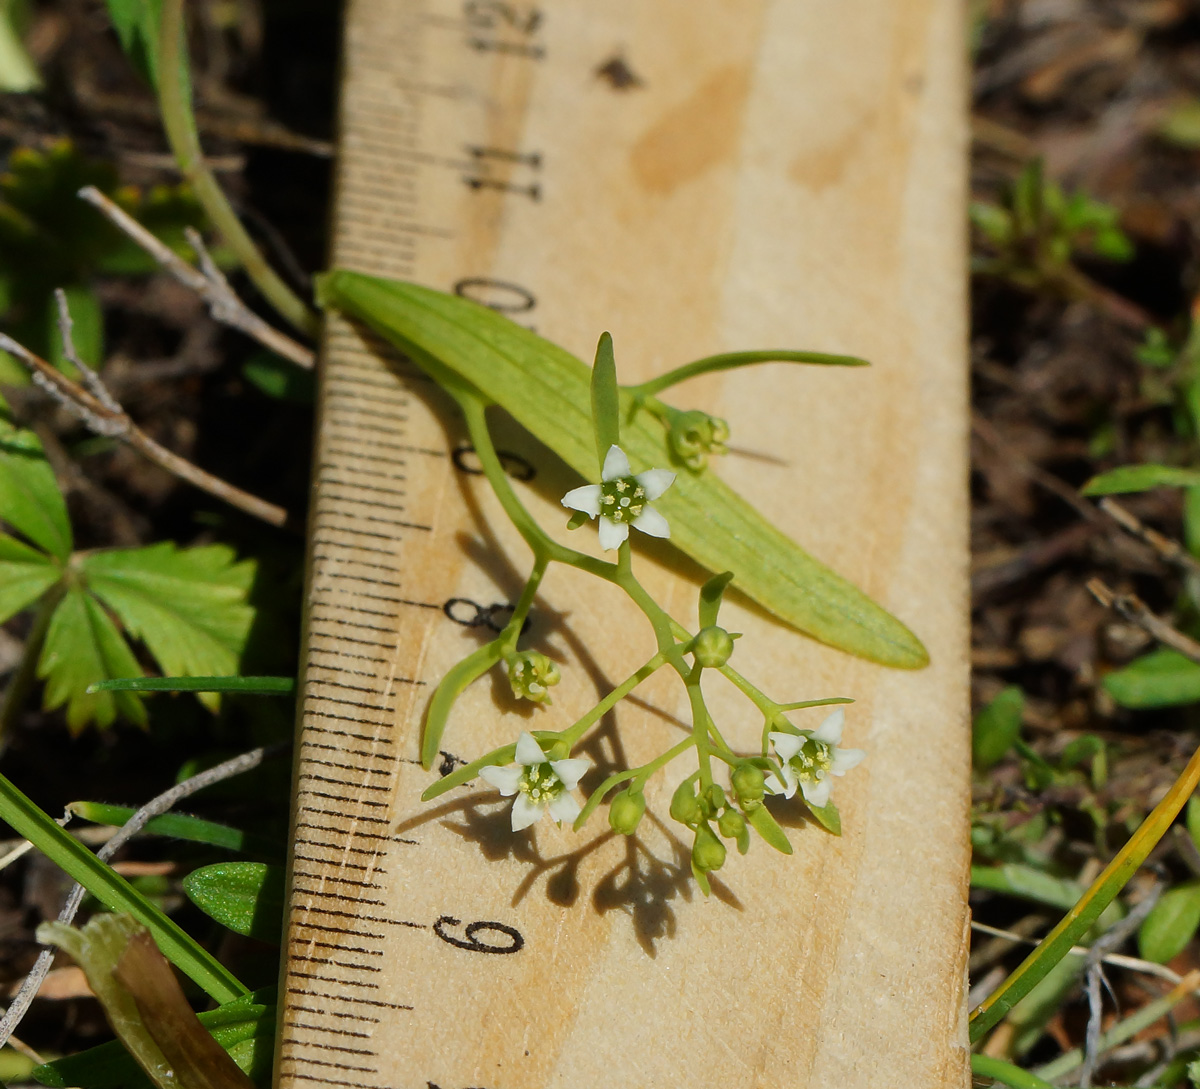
[622,500]
[809,760]
[538,783]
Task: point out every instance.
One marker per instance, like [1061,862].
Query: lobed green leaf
[83,646]
[25,575]
[546,389]
[30,501]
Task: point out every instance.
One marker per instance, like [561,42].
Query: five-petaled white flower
[808,761]
[622,500]
[538,783]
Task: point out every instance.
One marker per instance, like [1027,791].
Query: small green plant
[1035,233]
[187,606]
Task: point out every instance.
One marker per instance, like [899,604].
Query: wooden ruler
[695,177]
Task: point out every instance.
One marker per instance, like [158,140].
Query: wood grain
[777,174]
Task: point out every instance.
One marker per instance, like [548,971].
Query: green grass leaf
[30,501]
[1162,678]
[1140,478]
[83,645]
[25,575]
[187,605]
[1171,923]
[179,826]
[606,399]
[546,389]
[242,686]
[115,893]
[247,897]
[996,727]
[136,23]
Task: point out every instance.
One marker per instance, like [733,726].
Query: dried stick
[208,282]
[1134,609]
[1170,551]
[93,404]
[153,808]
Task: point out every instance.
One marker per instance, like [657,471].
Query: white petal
[613,534]
[529,752]
[524,812]
[616,464]
[505,780]
[788,786]
[569,772]
[845,759]
[786,745]
[586,499]
[652,523]
[817,794]
[655,481]
[564,808]
[831,729]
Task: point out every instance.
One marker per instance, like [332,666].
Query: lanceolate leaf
[136,23]
[546,389]
[30,501]
[247,897]
[188,605]
[25,574]
[1140,478]
[83,645]
[1162,678]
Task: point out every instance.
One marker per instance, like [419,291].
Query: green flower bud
[712,801]
[531,674]
[694,435]
[712,647]
[708,852]
[685,807]
[749,784]
[625,811]
[731,823]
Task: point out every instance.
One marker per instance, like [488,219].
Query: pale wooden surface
[786,174]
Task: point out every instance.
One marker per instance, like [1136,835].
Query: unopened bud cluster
[531,673]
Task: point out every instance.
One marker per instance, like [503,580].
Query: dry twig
[93,404]
[1136,611]
[208,282]
[1170,551]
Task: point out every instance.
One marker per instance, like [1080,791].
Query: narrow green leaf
[606,401]
[187,605]
[1162,678]
[242,686]
[1192,819]
[30,501]
[996,727]
[546,390]
[25,575]
[1005,1073]
[1140,478]
[83,646]
[247,897]
[136,23]
[237,1026]
[115,893]
[728,361]
[1016,879]
[1171,923]
[767,827]
[178,826]
[710,597]
[827,817]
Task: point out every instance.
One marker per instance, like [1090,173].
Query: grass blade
[242,686]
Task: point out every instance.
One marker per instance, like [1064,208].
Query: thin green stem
[729,360]
[180,126]
[22,680]
[475,415]
[641,774]
[512,630]
[451,686]
[577,729]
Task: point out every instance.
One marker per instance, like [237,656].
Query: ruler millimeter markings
[484,151]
